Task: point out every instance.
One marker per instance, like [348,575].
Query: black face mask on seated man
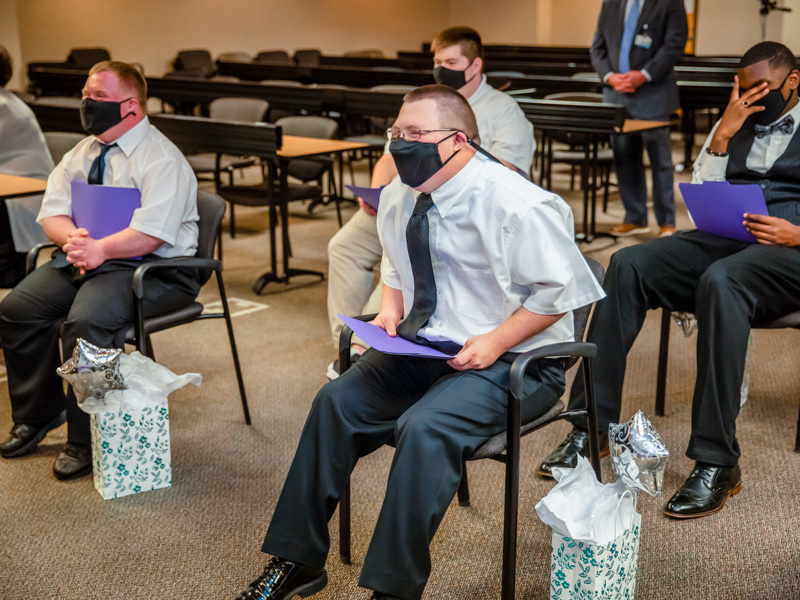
[451,78]
[773,104]
[97,116]
[417,162]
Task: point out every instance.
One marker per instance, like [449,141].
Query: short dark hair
[466,37]
[452,108]
[776,54]
[129,75]
[6,69]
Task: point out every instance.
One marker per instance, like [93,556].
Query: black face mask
[417,162]
[773,104]
[451,78]
[98,117]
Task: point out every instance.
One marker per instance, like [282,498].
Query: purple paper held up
[103,210]
[380,340]
[371,196]
[718,207]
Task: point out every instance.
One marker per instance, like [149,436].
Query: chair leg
[511,512]
[663,355]
[344,524]
[463,487]
[606,186]
[233,221]
[226,311]
[797,441]
[591,410]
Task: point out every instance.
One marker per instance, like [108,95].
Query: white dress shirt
[763,153]
[498,242]
[146,160]
[23,152]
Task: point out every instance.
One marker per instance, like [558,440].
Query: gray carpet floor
[201,537]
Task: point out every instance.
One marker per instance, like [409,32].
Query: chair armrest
[188,262]
[33,255]
[344,341]
[521,362]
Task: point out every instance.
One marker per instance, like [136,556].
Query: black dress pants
[97,307]
[438,417]
[729,285]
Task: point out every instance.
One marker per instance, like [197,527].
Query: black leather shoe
[283,579]
[566,455]
[73,462]
[23,439]
[705,491]
[379,596]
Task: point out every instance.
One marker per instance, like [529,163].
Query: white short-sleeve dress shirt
[146,160]
[498,242]
[23,152]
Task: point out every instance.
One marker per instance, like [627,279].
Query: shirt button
[763,186]
[439,291]
[440,325]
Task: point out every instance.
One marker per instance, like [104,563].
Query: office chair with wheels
[503,447]
[211,209]
[61,142]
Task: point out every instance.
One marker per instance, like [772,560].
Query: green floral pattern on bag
[583,571]
[131,452]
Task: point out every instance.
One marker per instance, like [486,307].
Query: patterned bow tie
[784,126]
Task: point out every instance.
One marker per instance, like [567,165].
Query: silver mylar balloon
[638,454]
[92,371]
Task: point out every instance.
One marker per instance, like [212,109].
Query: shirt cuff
[712,168]
[607,76]
[646,74]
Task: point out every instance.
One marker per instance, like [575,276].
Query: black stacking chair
[273,56]
[84,59]
[211,209]
[502,447]
[307,57]
[61,142]
[792,320]
[194,63]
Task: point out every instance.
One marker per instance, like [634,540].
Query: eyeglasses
[410,134]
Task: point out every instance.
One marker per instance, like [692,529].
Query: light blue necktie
[628,33]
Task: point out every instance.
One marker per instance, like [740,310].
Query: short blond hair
[452,108]
[466,37]
[129,75]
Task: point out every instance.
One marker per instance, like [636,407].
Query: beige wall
[506,22]
[571,22]
[9,37]
[733,26]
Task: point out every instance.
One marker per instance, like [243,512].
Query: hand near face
[740,107]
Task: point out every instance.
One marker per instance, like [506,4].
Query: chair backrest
[576,97]
[251,110]
[400,89]
[211,209]
[313,127]
[273,56]
[234,57]
[85,58]
[580,316]
[309,57]
[364,54]
[281,82]
[61,142]
[196,63]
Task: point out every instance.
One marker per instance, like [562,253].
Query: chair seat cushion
[257,195]
[207,162]
[187,314]
[604,155]
[497,444]
[790,320]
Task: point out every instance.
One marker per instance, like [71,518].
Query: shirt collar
[447,194]
[128,141]
[478,94]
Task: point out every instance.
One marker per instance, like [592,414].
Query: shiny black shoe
[283,580]
[73,462]
[379,596]
[566,455]
[23,439]
[705,491]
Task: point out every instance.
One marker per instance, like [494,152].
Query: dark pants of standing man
[97,307]
[438,417]
[729,285]
[629,165]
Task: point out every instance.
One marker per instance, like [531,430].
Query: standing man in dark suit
[634,50]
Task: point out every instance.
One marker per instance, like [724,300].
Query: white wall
[9,37]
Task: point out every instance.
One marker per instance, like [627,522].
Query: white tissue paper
[582,508]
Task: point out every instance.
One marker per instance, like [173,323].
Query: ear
[479,62]
[794,79]
[459,141]
[131,105]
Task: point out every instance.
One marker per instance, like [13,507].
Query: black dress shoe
[23,439]
[705,491]
[73,462]
[566,455]
[283,579]
[379,596]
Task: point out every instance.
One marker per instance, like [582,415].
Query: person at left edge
[480,261]
[89,296]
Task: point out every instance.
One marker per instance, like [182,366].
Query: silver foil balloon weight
[92,371]
[638,454]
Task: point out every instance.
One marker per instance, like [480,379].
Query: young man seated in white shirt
[728,284]
[355,250]
[477,261]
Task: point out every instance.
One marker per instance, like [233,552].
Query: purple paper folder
[103,209]
[371,196]
[380,340]
[718,207]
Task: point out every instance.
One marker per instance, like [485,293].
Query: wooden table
[636,126]
[13,186]
[294,147]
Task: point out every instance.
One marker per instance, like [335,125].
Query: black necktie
[98,166]
[419,251]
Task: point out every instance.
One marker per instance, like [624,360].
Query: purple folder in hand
[371,196]
[380,340]
[718,207]
[103,209]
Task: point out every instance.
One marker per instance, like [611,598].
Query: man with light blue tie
[634,50]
